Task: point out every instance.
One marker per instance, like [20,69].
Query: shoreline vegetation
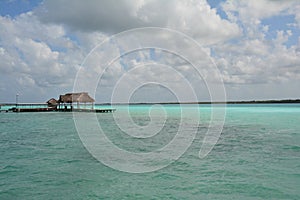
[204,102]
[216,102]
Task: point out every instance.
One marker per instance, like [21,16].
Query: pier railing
[43,107]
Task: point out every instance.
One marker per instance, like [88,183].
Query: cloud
[92,15]
[256,57]
[35,55]
[195,18]
[259,60]
[251,12]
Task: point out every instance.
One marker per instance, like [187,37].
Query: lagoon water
[257,157]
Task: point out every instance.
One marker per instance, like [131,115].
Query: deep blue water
[257,156]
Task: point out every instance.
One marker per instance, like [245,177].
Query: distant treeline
[203,102]
[219,102]
[266,101]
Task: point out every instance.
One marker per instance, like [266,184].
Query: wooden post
[17,99]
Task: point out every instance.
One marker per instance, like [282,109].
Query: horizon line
[268,101]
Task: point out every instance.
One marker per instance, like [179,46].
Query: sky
[51,47]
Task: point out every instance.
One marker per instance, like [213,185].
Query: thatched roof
[81,97]
[52,101]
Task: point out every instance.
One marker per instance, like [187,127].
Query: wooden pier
[32,109]
[105,110]
[69,102]
[38,107]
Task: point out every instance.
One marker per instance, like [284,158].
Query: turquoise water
[256,157]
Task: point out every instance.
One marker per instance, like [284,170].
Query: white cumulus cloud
[41,50]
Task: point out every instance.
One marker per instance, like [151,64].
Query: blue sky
[14,8]
[254,44]
[282,23]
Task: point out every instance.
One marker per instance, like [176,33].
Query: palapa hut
[78,98]
[52,103]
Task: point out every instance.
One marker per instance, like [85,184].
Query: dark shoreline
[217,102]
[204,102]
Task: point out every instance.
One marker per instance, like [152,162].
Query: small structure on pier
[78,99]
[52,103]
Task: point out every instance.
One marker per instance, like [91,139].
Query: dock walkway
[54,109]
